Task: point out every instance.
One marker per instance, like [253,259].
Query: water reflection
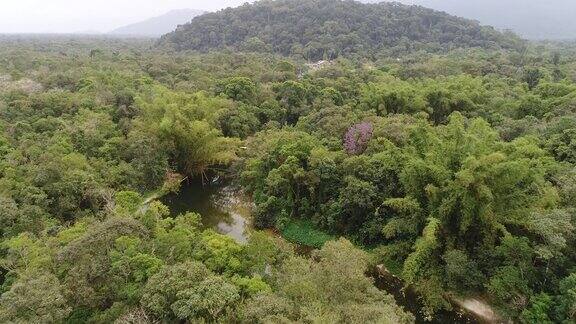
[222,207]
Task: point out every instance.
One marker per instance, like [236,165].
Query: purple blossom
[357,138]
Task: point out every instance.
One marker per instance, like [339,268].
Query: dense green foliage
[326,29]
[305,233]
[88,131]
[465,180]
[458,168]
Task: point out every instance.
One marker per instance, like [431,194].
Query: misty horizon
[532,19]
[69,16]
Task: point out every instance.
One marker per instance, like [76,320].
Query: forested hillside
[532,19]
[326,29]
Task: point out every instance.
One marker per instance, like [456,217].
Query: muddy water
[222,207]
[409,300]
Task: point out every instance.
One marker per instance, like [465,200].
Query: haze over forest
[532,19]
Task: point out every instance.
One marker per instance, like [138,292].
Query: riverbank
[479,308]
[227,210]
[470,310]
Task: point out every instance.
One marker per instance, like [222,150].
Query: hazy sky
[60,16]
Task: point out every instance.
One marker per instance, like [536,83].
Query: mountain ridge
[532,19]
[159,25]
[319,29]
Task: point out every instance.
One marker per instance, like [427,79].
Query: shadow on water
[409,300]
[222,207]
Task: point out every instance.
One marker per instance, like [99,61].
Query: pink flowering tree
[357,138]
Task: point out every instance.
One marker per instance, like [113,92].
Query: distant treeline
[325,29]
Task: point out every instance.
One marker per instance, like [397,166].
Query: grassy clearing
[304,232]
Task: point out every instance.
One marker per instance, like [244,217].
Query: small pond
[222,206]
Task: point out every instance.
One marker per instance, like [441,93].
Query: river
[225,209]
